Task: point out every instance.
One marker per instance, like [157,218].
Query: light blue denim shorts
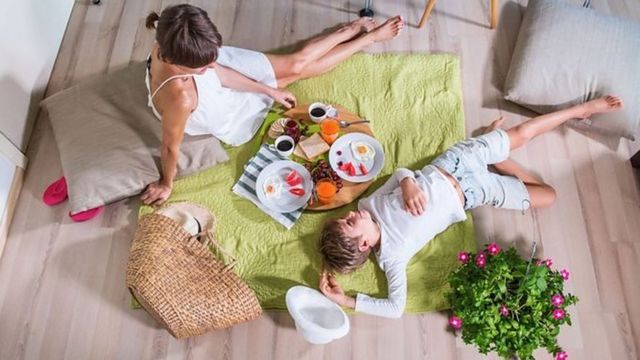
[467,161]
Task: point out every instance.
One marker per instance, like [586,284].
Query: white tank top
[231,116]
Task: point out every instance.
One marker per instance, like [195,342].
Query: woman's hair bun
[150,22]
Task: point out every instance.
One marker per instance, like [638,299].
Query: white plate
[285,202]
[343,145]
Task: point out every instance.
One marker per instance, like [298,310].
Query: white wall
[31,32]
[30,35]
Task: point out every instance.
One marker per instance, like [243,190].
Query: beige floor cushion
[109,140]
[567,54]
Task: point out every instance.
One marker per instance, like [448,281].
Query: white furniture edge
[12,153]
[12,201]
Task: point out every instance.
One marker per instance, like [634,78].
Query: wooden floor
[62,291]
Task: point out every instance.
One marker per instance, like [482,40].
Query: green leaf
[503,287]
[542,284]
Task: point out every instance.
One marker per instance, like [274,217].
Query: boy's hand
[331,289]
[415,201]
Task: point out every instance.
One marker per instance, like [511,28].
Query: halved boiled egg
[362,151]
[272,186]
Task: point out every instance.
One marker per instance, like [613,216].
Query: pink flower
[481,261]
[493,248]
[565,274]
[557,300]
[562,356]
[548,263]
[558,314]
[455,322]
[463,257]
[503,310]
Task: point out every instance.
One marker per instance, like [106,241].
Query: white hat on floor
[318,319]
[193,218]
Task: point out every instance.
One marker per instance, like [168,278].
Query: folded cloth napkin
[246,186]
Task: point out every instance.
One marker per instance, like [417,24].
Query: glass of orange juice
[329,129]
[326,190]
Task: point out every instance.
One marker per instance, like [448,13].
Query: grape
[321,170]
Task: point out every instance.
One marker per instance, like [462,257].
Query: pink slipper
[56,192]
[86,215]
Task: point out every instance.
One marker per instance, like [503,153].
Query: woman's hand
[330,288]
[283,97]
[156,193]
[415,202]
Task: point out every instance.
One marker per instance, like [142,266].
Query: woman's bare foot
[389,29]
[363,25]
[496,124]
[602,105]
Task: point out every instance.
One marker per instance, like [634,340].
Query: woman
[198,87]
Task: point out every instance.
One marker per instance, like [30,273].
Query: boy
[412,207]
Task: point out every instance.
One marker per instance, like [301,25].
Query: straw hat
[193,218]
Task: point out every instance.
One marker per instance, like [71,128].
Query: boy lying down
[412,207]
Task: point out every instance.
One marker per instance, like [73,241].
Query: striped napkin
[246,186]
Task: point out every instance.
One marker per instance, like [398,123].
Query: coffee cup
[319,111]
[284,145]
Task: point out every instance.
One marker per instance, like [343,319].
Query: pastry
[277,128]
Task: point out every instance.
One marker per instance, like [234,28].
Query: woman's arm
[235,80]
[174,120]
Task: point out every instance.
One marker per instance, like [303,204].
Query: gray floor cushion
[567,54]
[109,140]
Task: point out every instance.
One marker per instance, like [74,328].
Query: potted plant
[503,303]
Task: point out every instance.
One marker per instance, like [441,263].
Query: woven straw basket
[180,282]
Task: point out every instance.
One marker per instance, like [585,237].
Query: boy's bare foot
[602,105]
[389,30]
[496,124]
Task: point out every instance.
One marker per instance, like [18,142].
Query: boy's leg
[522,133]
[540,194]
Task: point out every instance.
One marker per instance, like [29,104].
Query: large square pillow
[109,140]
[566,54]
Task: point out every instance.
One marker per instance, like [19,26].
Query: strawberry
[295,181]
[297,191]
[363,169]
[352,170]
[345,166]
[292,175]
[293,178]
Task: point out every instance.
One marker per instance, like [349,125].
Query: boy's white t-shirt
[403,235]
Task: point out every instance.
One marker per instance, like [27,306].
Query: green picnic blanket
[415,105]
